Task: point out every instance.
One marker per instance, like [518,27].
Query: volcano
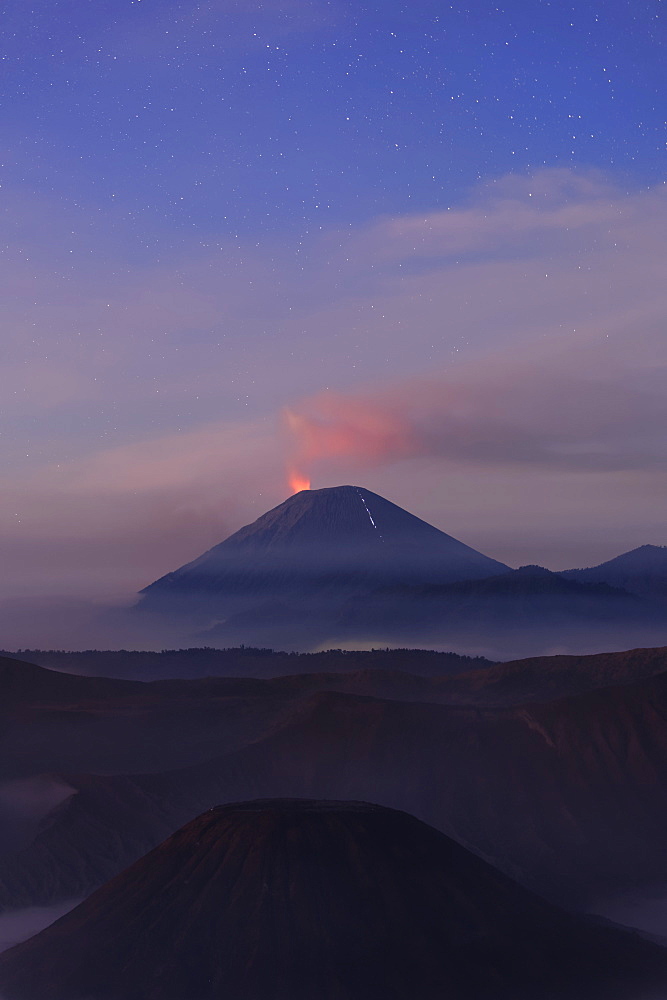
[319,545]
[297,899]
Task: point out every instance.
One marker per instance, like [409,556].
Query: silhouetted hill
[52,721]
[508,615]
[245,661]
[538,580]
[513,609]
[642,571]
[285,900]
[22,680]
[547,678]
[568,796]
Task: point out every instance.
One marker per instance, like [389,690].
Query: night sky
[417,247]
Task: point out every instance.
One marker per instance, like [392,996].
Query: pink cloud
[542,412]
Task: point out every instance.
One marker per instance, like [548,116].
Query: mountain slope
[569,796]
[641,571]
[343,565]
[318,543]
[292,900]
[518,613]
[53,721]
[518,599]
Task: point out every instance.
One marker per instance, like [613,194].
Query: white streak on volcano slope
[370,516]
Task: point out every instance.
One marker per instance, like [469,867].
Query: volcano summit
[300,899]
[344,565]
[328,544]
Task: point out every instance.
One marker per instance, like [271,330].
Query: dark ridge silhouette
[317,543]
[53,721]
[517,598]
[568,796]
[23,680]
[297,900]
[547,678]
[641,571]
[516,613]
[244,661]
[509,616]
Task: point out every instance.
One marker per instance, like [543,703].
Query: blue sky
[224,117]
[432,231]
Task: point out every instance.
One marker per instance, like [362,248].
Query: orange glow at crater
[298,482]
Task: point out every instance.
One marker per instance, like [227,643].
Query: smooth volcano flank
[295,569]
[310,900]
[342,565]
[330,538]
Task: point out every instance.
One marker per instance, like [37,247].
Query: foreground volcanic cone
[305,900]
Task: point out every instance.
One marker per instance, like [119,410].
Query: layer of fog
[44,625]
[24,803]
[20,925]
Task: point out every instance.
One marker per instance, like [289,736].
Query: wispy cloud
[512,340]
[504,214]
[592,415]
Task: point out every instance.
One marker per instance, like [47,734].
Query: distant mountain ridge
[552,769]
[641,571]
[519,594]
